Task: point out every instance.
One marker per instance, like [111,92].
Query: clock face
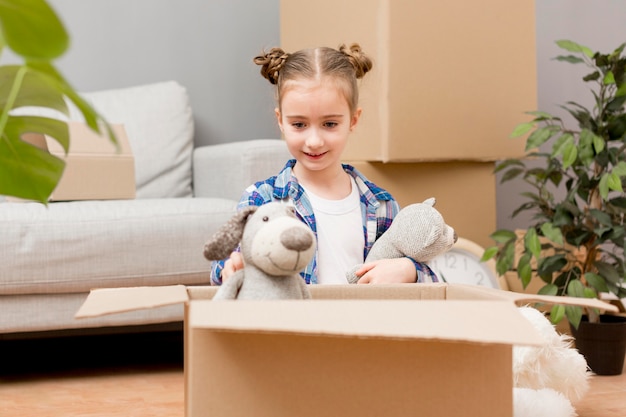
[461,265]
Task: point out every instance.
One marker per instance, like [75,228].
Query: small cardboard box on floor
[353,350]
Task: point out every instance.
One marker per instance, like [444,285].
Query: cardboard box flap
[497,322]
[471,292]
[119,300]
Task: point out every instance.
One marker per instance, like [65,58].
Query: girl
[317,97]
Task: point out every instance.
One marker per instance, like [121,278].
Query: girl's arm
[394,271]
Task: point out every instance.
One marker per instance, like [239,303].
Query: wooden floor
[142,376]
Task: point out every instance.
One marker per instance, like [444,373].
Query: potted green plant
[576,178]
[33,31]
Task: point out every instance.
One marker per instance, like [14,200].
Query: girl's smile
[316,122]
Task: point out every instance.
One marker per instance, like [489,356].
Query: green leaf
[603,186]
[601,217]
[598,144]
[609,78]
[613,182]
[489,253]
[596,281]
[557,313]
[592,77]
[538,137]
[521,129]
[574,314]
[508,163]
[575,288]
[559,145]
[574,47]
[19,125]
[620,169]
[551,264]
[511,174]
[532,244]
[503,236]
[505,262]
[608,272]
[569,58]
[27,171]
[35,89]
[570,153]
[32,29]
[524,270]
[542,115]
[590,293]
[92,118]
[548,289]
[552,233]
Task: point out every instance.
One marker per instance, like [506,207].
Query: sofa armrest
[225,170]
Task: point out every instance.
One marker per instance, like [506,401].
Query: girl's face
[316,121]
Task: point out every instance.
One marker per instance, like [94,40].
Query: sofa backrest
[159,123]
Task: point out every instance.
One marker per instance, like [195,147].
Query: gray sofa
[51,257]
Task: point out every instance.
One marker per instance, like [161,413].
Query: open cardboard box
[353,350]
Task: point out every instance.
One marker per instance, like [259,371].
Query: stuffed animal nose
[296,238]
[456,237]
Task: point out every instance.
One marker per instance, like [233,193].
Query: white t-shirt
[340,238]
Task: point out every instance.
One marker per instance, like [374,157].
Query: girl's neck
[329,184]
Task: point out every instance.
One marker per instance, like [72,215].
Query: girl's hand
[387,271]
[232,265]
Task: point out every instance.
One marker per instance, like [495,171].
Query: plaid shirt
[378,208]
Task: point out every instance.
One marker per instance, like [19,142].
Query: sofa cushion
[159,123]
[74,247]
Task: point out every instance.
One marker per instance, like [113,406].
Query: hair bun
[271,63]
[361,62]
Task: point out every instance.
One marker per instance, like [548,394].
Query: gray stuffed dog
[418,231]
[275,246]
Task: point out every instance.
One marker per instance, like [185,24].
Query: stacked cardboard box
[450,81]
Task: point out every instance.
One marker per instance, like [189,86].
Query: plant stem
[15,89]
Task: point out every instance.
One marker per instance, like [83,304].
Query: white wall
[206,45]
[598,24]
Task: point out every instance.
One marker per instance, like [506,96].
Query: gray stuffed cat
[418,231]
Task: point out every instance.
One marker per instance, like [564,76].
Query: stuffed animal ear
[430,201]
[226,239]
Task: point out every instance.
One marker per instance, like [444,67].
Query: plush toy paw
[545,402]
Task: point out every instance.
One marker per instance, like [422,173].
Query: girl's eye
[298,125]
[330,125]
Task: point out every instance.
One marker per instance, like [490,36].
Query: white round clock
[462,265]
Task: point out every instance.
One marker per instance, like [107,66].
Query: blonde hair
[345,64]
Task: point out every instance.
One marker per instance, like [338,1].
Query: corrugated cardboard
[383,355]
[95,169]
[441,85]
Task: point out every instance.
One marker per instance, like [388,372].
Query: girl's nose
[314,140]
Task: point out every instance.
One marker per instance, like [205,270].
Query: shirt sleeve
[424,273]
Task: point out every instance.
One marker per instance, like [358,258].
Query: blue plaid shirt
[378,208]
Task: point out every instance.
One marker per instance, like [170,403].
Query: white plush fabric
[76,246]
[159,124]
[555,365]
[541,403]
